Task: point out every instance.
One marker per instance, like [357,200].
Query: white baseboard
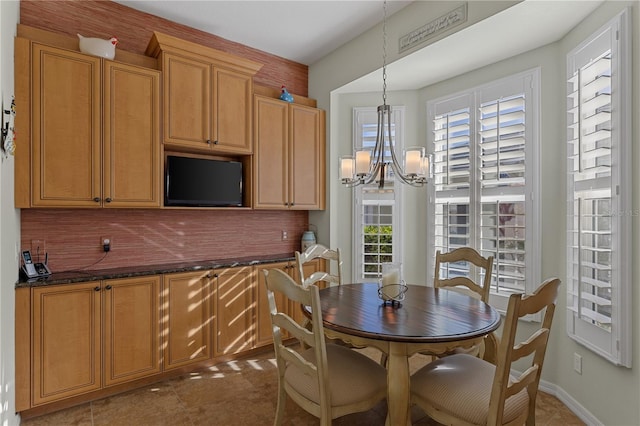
[571,403]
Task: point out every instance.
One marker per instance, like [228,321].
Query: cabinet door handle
[108,287]
[215,275]
[96,288]
[208,141]
[108,199]
[215,142]
[96,199]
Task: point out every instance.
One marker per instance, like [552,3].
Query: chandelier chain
[384,54]
[367,165]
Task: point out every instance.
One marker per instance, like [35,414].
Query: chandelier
[366,166]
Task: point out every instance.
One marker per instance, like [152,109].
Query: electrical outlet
[106,243]
[38,250]
[285,235]
[577,363]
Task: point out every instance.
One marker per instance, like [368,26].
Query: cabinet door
[187,101]
[66,341]
[131,328]
[271,163]
[234,310]
[307,156]
[232,112]
[308,268]
[131,144]
[66,132]
[186,318]
[264,331]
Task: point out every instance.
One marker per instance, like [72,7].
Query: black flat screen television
[202,182]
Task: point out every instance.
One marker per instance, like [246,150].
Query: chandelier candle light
[365,166]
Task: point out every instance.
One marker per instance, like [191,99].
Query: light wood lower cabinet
[187,319]
[131,329]
[89,337]
[65,325]
[77,326]
[264,332]
[233,295]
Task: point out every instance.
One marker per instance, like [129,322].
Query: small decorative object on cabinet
[285,95]
[308,239]
[98,47]
[8,132]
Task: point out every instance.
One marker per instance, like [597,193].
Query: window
[376,212]
[598,188]
[485,147]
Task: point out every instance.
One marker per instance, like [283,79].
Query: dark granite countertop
[70,277]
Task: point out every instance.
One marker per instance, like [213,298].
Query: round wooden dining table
[428,320]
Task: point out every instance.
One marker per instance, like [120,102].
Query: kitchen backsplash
[150,237]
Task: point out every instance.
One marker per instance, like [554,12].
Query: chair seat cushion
[460,385]
[352,377]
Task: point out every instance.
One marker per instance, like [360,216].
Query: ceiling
[301,31]
[306,31]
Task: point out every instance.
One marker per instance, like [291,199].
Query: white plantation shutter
[485,151]
[451,150]
[598,186]
[502,188]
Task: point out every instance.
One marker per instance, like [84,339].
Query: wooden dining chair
[465,390]
[318,251]
[456,266]
[328,381]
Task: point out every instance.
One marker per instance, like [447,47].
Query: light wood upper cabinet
[66,330]
[131,328]
[94,131]
[234,310]
[131,159]
[187,318]
[66,128]
[187,101]
[289,163]
[207,97]
[271,175]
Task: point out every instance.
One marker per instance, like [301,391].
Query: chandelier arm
[377,164]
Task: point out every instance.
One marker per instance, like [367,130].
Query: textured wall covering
[134,29]
[151,237]
[154,237]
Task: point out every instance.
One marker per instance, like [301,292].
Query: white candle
[362,162]
[346,167]
[412,162]
[391,277]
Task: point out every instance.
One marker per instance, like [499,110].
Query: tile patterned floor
[239,393]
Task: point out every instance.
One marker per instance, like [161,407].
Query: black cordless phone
[33,270]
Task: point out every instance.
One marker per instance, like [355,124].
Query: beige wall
[9,226]
[598,394]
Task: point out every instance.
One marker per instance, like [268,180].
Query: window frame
[529,82]
[369,115]
[616,345]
